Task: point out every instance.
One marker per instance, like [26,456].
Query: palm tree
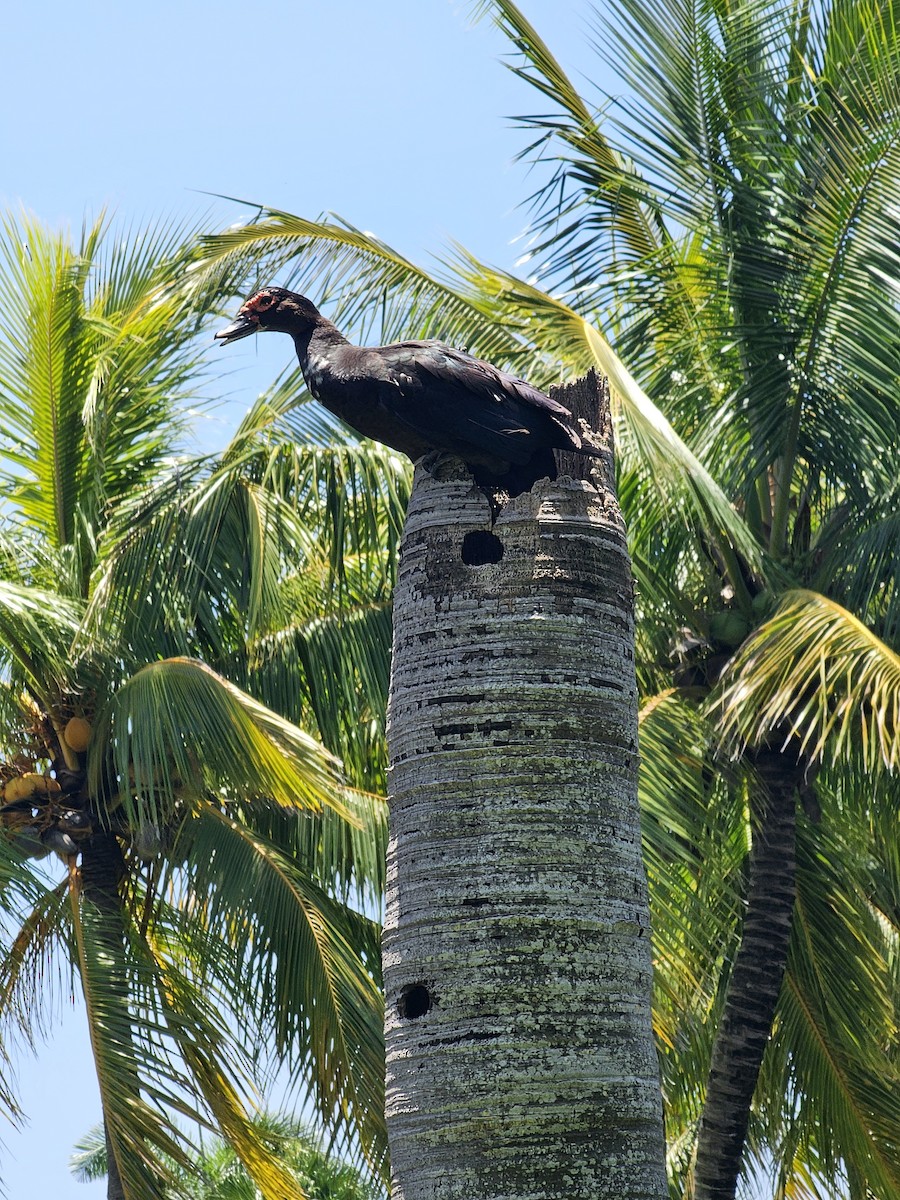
[169,628]
[516,958]
[220,1175]
[728,229]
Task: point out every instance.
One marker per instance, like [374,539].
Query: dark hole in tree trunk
[481,547]
[415,1001]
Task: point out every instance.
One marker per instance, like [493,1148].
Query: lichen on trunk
[516,947]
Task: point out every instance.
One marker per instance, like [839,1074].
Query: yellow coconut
[17,789]
[39,783]
[77,734]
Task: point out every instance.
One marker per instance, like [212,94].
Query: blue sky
[394,115]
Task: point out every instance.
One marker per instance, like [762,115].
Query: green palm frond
[209,550]
[353,493]
[89,1159]
[36,630]
[837,1015]
[45,358]
[308,966]
[322,1176]
[28,988]
[178,726]
[143,1139]
[695,840]
[344,857]
[97,356]
[858,564]
[32,971]
[618,197]
[372,285]
[336,667]
[201,1045]
[814,671]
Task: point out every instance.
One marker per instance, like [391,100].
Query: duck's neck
[317,342]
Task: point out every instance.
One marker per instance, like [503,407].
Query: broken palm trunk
[520,1057]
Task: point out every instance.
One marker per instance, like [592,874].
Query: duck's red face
[272,308]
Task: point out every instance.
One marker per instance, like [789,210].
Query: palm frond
[44,357]
[815,672]
[97,357]
[207,552]
[200,1043]
[31,970]
[88,1160]
[308,966]
[695,840]
[178,726]
[857,561]
[37,628]
[834,1089]
[610,206]
[386,290]
[336,667]
[143,1140]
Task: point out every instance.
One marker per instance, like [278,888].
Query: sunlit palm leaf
[344,857]
[618,197]
[695,841]
[837,1013]
[142,1139]
[374,287]
[176,720]
[309,967]
[37,628]
[30,972]
[96,355]
[816,672]
[338,666]
[202,1046]
[211,545]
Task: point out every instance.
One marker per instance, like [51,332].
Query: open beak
[240,327]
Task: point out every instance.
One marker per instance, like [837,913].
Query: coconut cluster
[42,813]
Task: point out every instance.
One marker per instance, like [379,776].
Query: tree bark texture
[520,1057]
[756,978]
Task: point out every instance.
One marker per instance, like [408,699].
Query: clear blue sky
[392,114]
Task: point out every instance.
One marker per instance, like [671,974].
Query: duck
[421,398]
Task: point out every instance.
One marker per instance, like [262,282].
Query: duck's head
[273,308]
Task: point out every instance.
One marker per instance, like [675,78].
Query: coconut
[77,734]
[42,784]
[15,789]
[728,628]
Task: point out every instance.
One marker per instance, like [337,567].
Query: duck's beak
[239,328]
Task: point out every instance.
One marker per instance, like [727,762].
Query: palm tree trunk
[114,1187]
[520,1057]
[756,977]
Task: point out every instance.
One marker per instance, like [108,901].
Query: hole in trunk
[415,1001]
[481,547]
